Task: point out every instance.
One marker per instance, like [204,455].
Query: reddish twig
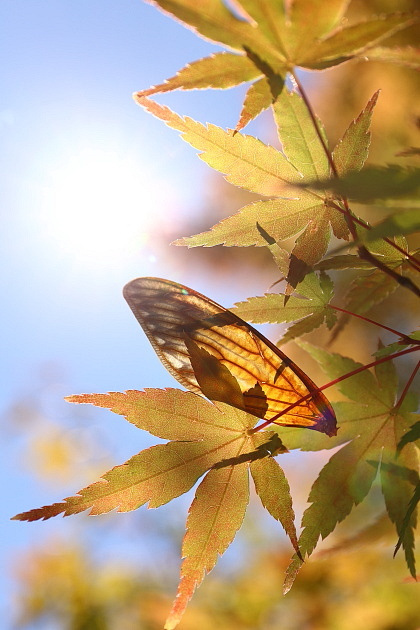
[362,368]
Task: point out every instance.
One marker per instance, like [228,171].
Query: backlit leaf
[310,247]
[221,70]
[348,476]
[375,182]
[348,41]
[404,55]
[213,20]
[404,222]
[299,138]
[271,19]
[154,411]
[352,150]
[342,484]
[214,517]
[311,307]
[156,475]
[309,21]
[273,489]
[258,98]
[245,160]
[280,218]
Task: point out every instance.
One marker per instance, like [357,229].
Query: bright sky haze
[87,180]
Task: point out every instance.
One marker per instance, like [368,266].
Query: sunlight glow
[99,208]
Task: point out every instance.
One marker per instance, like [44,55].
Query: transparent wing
[213,352]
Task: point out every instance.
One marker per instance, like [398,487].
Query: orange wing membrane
[211,351]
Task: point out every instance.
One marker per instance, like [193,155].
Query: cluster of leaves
[307,189]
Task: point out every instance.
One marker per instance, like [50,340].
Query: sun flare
[99,208]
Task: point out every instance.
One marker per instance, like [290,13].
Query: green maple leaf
[206,439]
[373,286]
[309,307]
[374,429]
[411,436]
[376,182]
[268,42]
[405,55]
[404,342]
[352,150]
[405,222]
[259,168]
[408,519]
[344,261]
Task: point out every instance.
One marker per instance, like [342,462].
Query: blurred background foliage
[76,583]
[64,585]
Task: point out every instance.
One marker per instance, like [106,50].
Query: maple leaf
[408,519]
[246,161]
[309,307]
[205,439]
[352,150]
[405,222]
[404,55]
[217,512]
[299,137]
[344,261]
[404,342]
[374,182]
[375,428]
[259,97]
[269,41]
[203,435]
[373,286]
[214,517]
[280,218]
[411,436]
[221,70]
[313,213]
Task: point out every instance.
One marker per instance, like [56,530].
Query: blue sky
[87,177]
